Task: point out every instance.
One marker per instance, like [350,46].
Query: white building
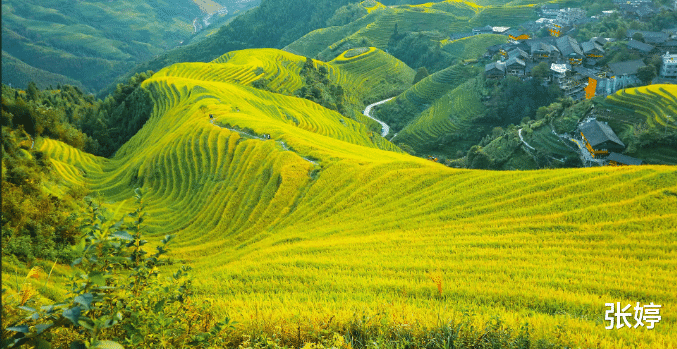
[669,68]
[570,15]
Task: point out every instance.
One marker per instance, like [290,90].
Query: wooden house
[543,51]
[616,159]
[600,139]
[515,66]
[640,46]
[495,70]
[592,51]
[570,50]
[517,35]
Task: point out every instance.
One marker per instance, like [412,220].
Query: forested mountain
[90,43]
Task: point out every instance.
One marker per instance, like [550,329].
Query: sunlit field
[300,222]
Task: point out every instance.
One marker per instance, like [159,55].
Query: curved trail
[367,112]
[284,146]
[523,141]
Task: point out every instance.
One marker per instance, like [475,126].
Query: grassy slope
[283,244]
[446,17]
[650,106]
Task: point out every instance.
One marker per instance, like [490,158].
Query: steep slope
[436,21]
[297,220]
[646,120]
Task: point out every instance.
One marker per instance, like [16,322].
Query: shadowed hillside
[297,219]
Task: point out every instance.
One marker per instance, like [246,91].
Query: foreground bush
[116,297]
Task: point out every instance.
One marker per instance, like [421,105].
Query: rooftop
[624,159]
[588,46]
[640,46]
[568,46]
[627,67]
[597,133]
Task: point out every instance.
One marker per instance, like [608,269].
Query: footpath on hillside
[367,112]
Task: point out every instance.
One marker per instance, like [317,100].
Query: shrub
[116,296]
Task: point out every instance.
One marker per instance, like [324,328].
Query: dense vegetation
[90,43]
[387,247]
[78,119]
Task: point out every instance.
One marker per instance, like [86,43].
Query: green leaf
[123,235]
[159,305]
[85,299]
[22,329]
[107,345]
[118,224]
[27,309]
[42,327]
[98,278]
[72,314]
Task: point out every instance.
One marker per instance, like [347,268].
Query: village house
[550,11]
[495,70]
[616,159]
[570,50]
[519,53]
[483,30]
[569,16]
[600,139]
[592,51]
[517,35]
[627,69]
[515,66]
[543,51]
[649,37]
[669,66]
[640,47]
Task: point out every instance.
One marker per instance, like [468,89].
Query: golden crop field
[325,224]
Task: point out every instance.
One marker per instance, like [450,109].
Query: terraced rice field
[373,73]
[474,46]
[543,139]
[447,115]
[289,247]
[657,103]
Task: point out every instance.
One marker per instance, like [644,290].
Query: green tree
[421,73]
[646,74]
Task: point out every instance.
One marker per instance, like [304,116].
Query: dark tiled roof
[589,46]
[495,65]
[650,37]
[627,67]
[515,60]
[624,159]
[542,47]
[519,53]
[640,46]
[597,133]
[515,32]
[568,46]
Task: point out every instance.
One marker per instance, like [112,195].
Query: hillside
[93,42]
[300,221]
[646,120]
[398,28]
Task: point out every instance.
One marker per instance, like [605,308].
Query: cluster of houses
[574,66]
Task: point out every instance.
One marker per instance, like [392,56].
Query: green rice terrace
[304,226]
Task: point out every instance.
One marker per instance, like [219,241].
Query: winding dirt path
[367,112]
